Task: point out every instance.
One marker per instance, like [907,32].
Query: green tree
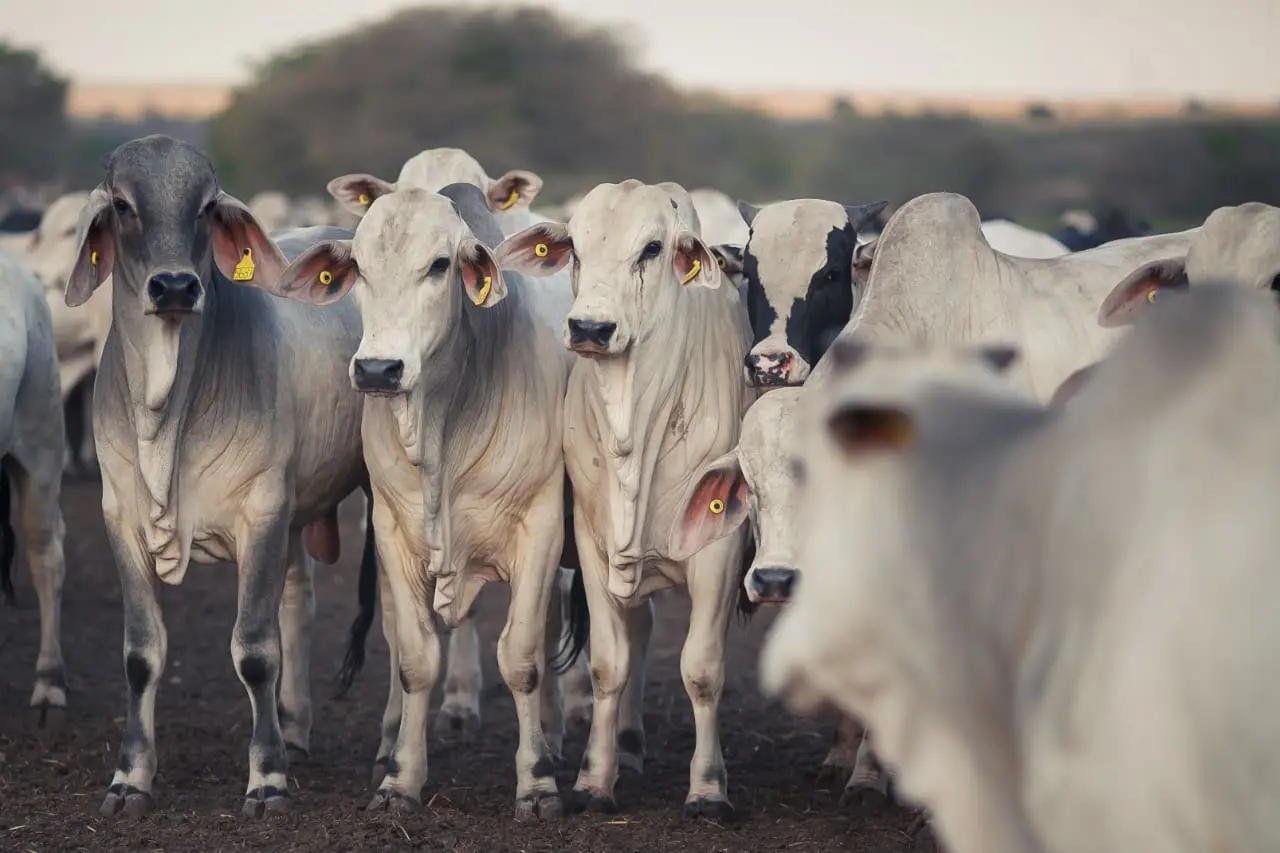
[33,124]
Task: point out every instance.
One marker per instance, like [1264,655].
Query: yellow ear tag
[724,265]
[364,199]
[93,259]
[244,269]
[693,272]
[541,250]
[326,278]
[484,290]
[1151,295]
[511,199]
[716,507]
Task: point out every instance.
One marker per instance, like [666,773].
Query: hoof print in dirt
[864,801]
[390,801]
[267,801]
[719,811]
[587,801]
[125,800]
[539,807]
[457,725]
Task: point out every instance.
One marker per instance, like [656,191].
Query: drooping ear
[714,505]
[356,192]
[539,250]
[95,249]
[747,212]
[694,262]
[321,275]
[861,214]
[861,428]
[999,357]
[242,250]
[1143,285]
[863,257]
[513,191]
[481,277]
[729,259]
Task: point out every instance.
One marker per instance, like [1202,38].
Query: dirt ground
[52,779]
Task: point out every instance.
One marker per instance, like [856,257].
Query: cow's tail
[575,639]
[367,596]
[8,541]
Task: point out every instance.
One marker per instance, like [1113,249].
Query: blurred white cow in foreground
[1058,622]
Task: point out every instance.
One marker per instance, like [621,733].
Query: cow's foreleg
[42,529]
[395,695]
[610,668]
[297,613]
[262,542]
[631,731]
[418,641]
[522,650]
[145,649]
[713,593]
[459,714]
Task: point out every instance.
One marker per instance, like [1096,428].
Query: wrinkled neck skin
[160,370]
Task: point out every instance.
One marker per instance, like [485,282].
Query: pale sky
[1017,48]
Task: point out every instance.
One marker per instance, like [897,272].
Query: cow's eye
[121,206]
[439,266]
[651,251]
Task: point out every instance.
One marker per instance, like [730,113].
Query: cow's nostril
[773,584]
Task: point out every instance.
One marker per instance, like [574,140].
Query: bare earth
[52,779]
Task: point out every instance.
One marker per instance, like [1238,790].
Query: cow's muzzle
[768,370]
[174,292]
[378,375]
[773,584]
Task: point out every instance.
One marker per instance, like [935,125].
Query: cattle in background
[1079,230]
[656,392]
[462,434]
[1065,550]
[508,199]
[226,431]
[31,456]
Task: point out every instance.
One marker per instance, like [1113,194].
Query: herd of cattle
[1022,543]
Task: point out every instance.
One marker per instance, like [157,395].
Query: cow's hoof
[833,775]
[924,841]
[631,763]
[719,811]
[125,800]
[863,800]
[267,800]
[539,806]
[590,801]
[380,770]
[384,801]
[457,724]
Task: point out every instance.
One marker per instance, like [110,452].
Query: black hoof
[539,807]
[864,801]
[267,800]
[395,803]
[719,811]
[586,801]
[126,800]
[833,775]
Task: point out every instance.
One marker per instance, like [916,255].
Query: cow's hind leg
[145,650]
[459,715]
[868,787]
[631,728]
[575,682]
[838,765]
[713,593]
[256,650]
[297,613]
[40,522]
[549,688]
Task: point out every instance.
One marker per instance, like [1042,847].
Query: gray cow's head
[162,226]
[631,251]
[799,269]
[416,260]
[752,481]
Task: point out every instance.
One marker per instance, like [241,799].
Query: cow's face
[755,480]
[415,261]
[160,223]
[434,169]
[631,252]
[798,266]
